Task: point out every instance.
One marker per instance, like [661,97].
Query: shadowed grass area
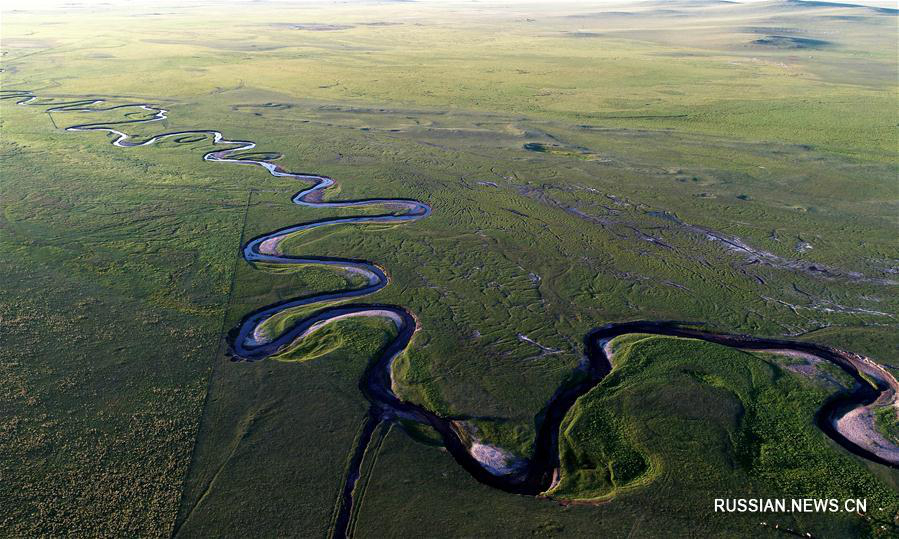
[791,42]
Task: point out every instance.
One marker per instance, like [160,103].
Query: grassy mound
[711,414]
[339,335]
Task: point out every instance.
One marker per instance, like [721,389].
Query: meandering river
[252,341]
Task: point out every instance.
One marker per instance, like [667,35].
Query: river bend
[249,342]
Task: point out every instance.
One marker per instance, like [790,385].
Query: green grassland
[718,397]
[582,167]
[676,425]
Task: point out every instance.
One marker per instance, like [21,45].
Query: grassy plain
[663,133]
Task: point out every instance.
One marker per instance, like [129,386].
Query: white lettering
[789,505]
[855,505]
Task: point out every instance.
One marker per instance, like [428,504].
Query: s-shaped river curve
[838,418]
[249,341]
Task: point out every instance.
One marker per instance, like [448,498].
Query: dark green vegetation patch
[791,42]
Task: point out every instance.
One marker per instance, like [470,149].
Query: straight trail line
[217,354]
